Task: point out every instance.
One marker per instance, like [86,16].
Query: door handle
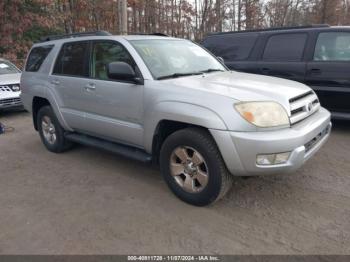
[90,87]
[55,82]
[265,70]
[315,71]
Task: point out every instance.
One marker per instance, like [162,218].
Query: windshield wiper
[175,75]
[212,70]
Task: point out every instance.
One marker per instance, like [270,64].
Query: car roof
[108,37]
[283,30]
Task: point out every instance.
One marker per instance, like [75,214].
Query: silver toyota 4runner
[168,101]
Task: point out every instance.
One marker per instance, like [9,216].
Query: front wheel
[193,168]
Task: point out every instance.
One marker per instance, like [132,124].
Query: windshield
[7,68]
[167,58]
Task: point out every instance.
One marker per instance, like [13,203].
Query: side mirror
[122,71]
[221,59]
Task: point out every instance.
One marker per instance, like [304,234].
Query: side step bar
[124,150]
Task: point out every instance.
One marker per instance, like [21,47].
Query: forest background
[26,21]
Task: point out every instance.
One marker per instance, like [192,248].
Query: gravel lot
[88,201]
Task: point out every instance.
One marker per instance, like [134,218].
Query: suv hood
[244,87]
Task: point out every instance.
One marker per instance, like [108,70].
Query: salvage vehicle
[317,55]
[10,90]
[169,102]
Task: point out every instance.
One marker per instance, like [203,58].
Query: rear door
[69,81]
[283,56]
[328,72]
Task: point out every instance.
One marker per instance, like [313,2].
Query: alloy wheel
[189,169]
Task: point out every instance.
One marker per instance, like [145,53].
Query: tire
[187,179]
[51,132]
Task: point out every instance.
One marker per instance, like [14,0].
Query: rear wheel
[193,168]
[51,132]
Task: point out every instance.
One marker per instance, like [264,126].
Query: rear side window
[231,47]
[333,46]
[285,47]
[36,57]
[73,60]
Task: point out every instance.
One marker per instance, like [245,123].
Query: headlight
[15,88]
[263,114]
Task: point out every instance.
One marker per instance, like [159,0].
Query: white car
[10,90]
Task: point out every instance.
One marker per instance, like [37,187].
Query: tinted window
[334,46]
[37,57]
[231,46]
[104,53]
[73,60]
[285,47]
[8,68]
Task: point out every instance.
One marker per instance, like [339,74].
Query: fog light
[272,159]
[266,160]
[282,158]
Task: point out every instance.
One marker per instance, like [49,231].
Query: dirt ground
[88,201]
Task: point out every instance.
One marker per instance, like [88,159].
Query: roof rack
[80,34]
[274,29]
[155,34]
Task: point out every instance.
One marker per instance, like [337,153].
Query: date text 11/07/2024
[173,258]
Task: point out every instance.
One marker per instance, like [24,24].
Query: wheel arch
[163,130]
[38,102]
[170,117]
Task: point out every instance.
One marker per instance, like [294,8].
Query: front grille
[303,106]
[10,102]
[312,143]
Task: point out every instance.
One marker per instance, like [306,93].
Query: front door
[114,108]
[329,71]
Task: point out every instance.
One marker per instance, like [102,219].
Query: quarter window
[333,46]
[107,52]
[36,57]
[285,47]
[73,60]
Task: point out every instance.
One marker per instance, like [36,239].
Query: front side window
[285,47]
[106,52]
[8,68]
[333,46]
[169,57]
[73,60]
[36,57]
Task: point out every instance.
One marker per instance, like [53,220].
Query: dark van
[318,56]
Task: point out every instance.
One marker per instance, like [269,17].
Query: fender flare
[180,112]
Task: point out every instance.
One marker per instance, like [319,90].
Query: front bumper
[240,149]
[10,102]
